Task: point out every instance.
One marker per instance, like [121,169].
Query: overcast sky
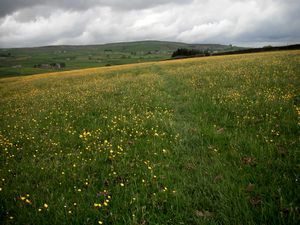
[25,23]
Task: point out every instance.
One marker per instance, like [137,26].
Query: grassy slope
[77,57]
[196,141]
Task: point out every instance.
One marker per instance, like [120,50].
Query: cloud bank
[241,22]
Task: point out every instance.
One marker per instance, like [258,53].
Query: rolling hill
[23,61]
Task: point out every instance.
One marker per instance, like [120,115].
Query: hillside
[191,141]
[22,61]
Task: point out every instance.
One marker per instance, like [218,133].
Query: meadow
[194,141]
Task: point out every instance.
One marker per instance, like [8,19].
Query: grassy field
[21,61]
[196,141]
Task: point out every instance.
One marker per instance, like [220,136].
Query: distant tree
[8,54]
[268,46]
[186,52]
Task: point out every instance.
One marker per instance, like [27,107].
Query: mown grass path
[196,141]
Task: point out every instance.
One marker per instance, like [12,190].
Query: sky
[27,23]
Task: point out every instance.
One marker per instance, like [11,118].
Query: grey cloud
[10,6]
[245,22]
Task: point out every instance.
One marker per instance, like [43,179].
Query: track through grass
[196,141]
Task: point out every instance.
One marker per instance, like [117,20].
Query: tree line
[183,52]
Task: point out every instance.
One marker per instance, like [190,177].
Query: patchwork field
[197,141]
[26,61]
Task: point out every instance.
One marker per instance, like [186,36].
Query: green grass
[197,141]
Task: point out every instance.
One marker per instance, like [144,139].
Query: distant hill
[161,46]
[131,46]
[23,61]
